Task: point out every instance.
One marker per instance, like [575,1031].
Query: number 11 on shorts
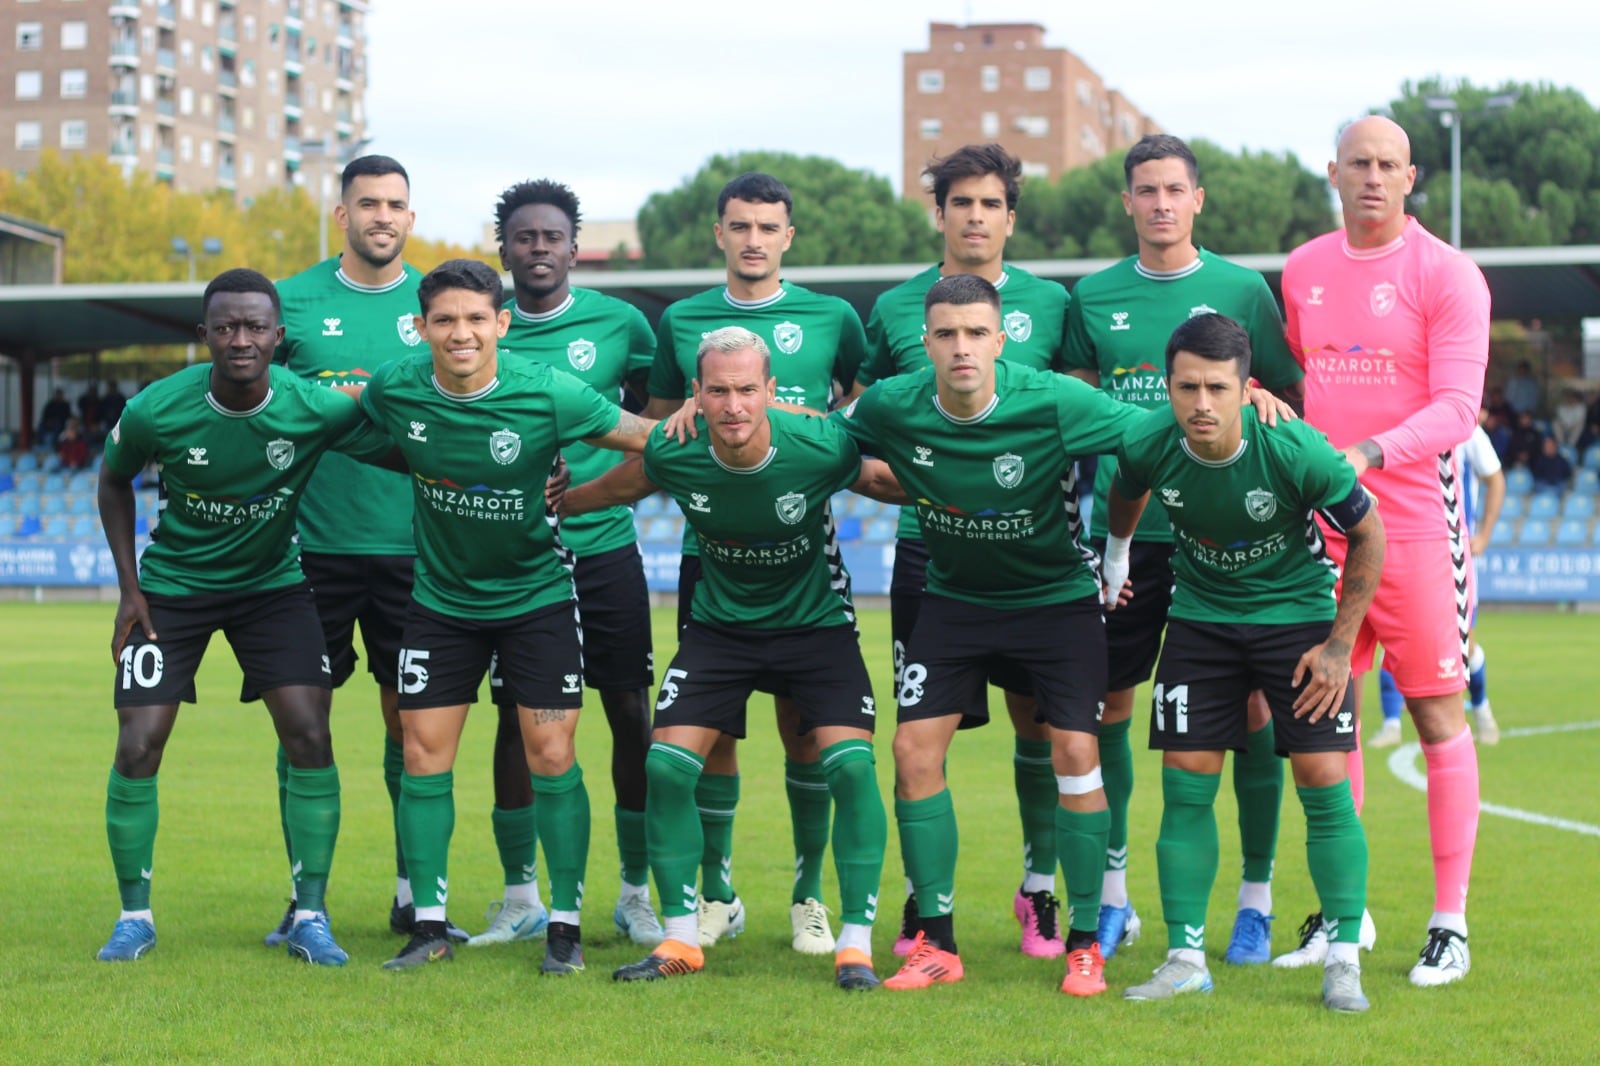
[1179,698]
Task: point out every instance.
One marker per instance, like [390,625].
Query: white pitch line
[1403,765]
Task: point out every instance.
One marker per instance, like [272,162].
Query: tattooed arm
[1327,666]
[628,435]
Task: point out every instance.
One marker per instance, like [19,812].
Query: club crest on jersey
[406,325]
[788,337]
[1008,470]
[1384,296]
[280,453]
[791,507]
[504,445]
[580,353]
[1019,325]
[1261,504]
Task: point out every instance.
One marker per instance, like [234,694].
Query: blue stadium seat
[650,506]
[82,481]
[84,528]
[81,503]
[27,461]
[1591,458]
[56,527]
[660,528]
[7,464]
[1519,482]
[1544,505]
[28,526]
[26,504]
[52,505]
[26,482]
[1586,480]
[1504,534]
[1535,533]
[7,440]
[880,530]
[148,502]
[1577,505]
[56,483]
[1569,453]
[51,463]
[7,483]
[1512,508]
[848,528]
[8,527]
[1572,533]
[868,508]
[141,526]
[95,463]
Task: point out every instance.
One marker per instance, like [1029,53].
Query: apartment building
[1001,82]
[241,95]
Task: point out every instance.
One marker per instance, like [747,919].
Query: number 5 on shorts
[413,671]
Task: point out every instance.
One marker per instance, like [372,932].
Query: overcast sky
[620,99]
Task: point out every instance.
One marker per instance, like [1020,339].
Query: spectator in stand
[1522,390]
[89,408]
[73,446]
[1567,425]
[1591,431]
[1498,429]
[1495,400]
[111,405]
[1550,468]
[1526,440]
[53,419]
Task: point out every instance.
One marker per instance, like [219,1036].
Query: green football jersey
[763,531]
[337,332]
[814,339]
[232,480]
[1248,548]
[1033,314]
[602,341]
[1000,530]
[1118,327]
[486,548]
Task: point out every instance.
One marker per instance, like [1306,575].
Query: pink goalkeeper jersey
[1395,342]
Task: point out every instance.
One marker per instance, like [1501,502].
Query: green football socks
[860,828]
[673,825]
[132,814]
[562,809]
[717,795]
[1186,853]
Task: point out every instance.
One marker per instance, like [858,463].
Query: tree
[1255,202]
[1529,174]
[841,216]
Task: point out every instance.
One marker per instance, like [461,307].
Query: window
[1091,142]
[989,79]
[186,52]
[28,135]
[205,58]
[188,9]
[74,84]
[249,165]
[147,136]
[147,87]
[30,84]
[1085,92]
[247,73]
[247,120]
[1033,125]
[931,129]
[186,101]
[185,148]
[249,27]
[74,36]
[74,133]
[30,38]
[930,81]
[1036,170]
[205,104]
[205,14]
[1036,79]
[991,124]
[147,39]
[205,153]
[327,100]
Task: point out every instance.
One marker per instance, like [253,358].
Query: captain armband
[1348,513]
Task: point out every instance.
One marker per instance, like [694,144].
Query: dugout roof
[53,320]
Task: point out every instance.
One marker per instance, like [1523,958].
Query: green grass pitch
[211,992]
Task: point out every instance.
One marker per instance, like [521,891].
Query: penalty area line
[1403,765]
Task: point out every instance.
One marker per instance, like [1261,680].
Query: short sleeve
[852,346]
[580,411]
[641,344]
[1077,350]
[858,419]
[1270,361]
[666,377]
[131,442]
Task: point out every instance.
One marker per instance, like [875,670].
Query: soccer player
[1252,609]
[236,442]
[607,344]
[1478,466]
[1392,326]
[493,581]
[975,192]
[1118,319]
[343,318]
[815,340]
[772,603]
[983,447]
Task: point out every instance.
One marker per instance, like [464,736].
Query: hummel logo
[418,431]
[146,874]
[944,903]
[570,683]
[1170,498]
[295,871]
[727,870]
[701,502]
[197,457]
[1119,320]
[868,708]
[444,889]
[872,907]
[1195,935]
[1346,723]
[924,456]
[1448,668]
[330,327]
[529,872]
[1117,858]
[325,667]
[1315,299]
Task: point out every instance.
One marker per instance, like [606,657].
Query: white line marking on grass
[1403,765]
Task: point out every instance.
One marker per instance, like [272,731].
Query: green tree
[1255,202]
[1529,172]
[841,216]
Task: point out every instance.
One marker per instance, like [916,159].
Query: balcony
[227,37]
[291,105]
[166,61]
[225,175]
[344,84]
[125,54]
[226,127]
[166,110]
[164,164]
[124,152]
[227,5]
[124,9]
[291,20]
[125,103]
[167,16]
[227,82]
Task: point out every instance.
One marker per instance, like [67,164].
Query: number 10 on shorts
[1178,696]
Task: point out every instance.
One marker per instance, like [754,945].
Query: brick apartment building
[1000,82]
[233,94]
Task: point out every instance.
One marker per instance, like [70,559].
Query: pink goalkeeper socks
[1452,817]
